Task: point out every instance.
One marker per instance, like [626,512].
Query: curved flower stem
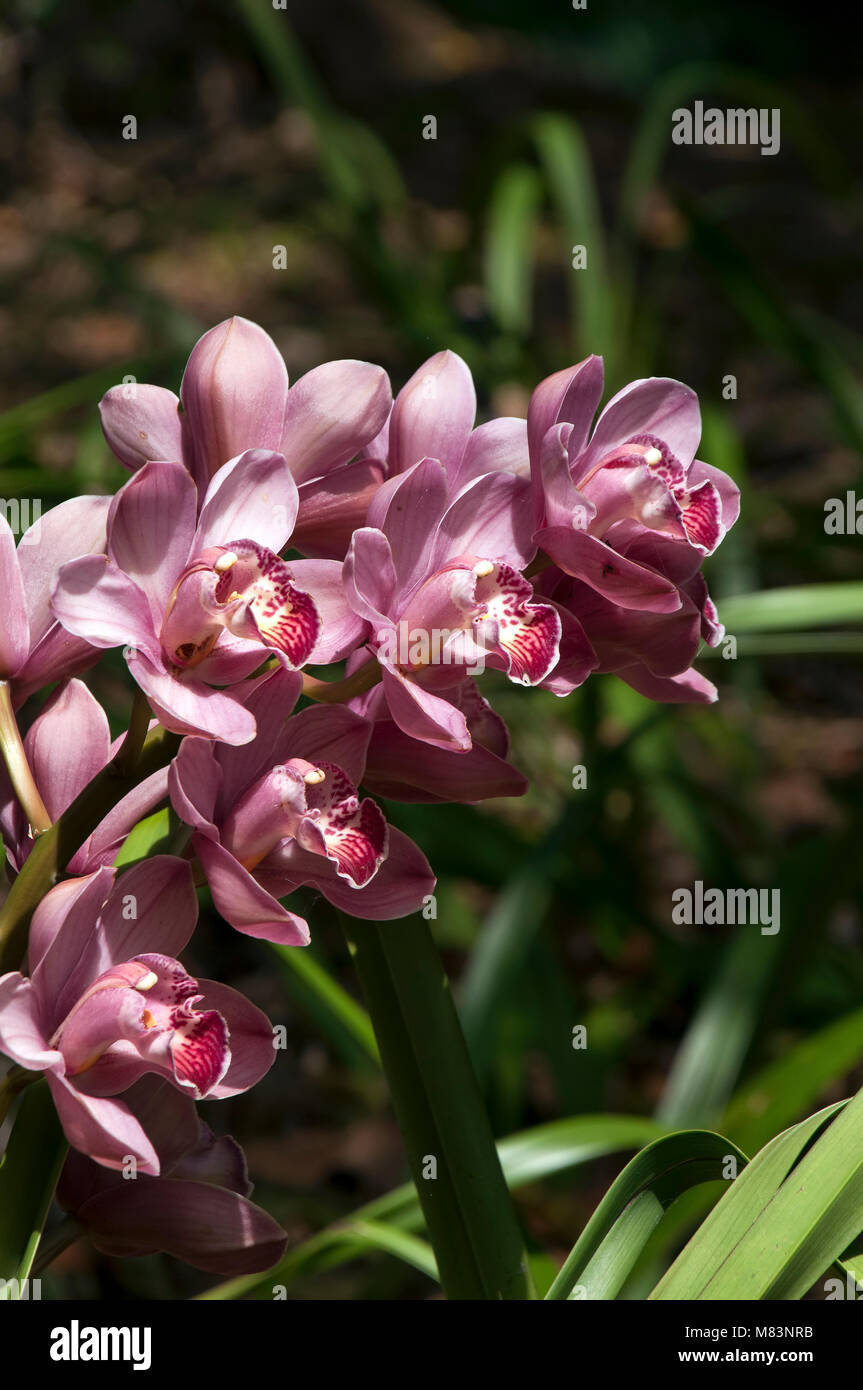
[129,752]
[452,1154]
[337,692]
[53,850]
[15,759]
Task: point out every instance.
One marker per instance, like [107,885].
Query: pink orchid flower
[67,744]
[198,603]
[635,473]
[439,584]
[284,812]
[34,649]
[400,768]
[235,396]
[107,1002]
[652,652]
[197,1209]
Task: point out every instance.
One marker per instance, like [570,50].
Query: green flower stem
[52,851]
[18,767]
[450,1148]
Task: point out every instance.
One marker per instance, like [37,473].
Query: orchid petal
[331,413]
[142,423]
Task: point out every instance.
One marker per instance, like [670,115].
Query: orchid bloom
[67,744]
[195,602]
[439,584]
[197,1209]
[284,812]
[635,475]
[235,396]
[399,767]
[34,649]
[107,1002]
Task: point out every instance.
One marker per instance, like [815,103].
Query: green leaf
[28,1175]
[566,161]
[708,1061]
[613,1239]
[450,1148]
[778,1179]
[804,606]
[783,1091]
[149,836]
[346,1021]
[509,247]
[528,1157]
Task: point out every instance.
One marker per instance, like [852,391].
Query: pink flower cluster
[267,528]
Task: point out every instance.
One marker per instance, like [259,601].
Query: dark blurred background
[302,128]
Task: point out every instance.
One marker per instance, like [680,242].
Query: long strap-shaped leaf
[527,1157]
[28,1176]
[449,1143]
[616,1234]
[785,1219]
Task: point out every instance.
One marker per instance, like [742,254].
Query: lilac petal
[611,574]
[269,700]
[151,907]
[656,406]
[243,902]
[190,707]
[497,447]
[425,716]
[142,423]
[55,906]
[433,414]
[209,1227]
[341,628]
[689,688]
[97,601]
[332,412]
[577,656]
[102,1127]
[64,948]
[15,629]
[252,495]
[66,532]
[490,518]
[104,843]
[194,781]
[330,734]
[67,744]
[402,769]
[557,501]
[334,506]
[413,509]
[251,1033]
[150,527]
[567,397]
[234,393]
[56,657]
[21,1035]
[399,887]
[369,575]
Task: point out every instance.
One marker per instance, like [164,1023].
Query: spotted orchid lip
[256,595]
[147,1003]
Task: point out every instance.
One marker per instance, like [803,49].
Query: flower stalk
[18,767]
